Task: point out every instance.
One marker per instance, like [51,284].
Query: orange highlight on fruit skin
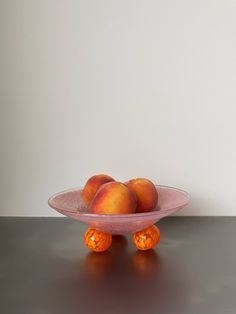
[92,186]
[146,193]
[97,241]
[147,238]
[114,198]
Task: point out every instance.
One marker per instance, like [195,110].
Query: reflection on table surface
[45,268]
[120,279]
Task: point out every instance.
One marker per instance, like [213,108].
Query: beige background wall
[129,88]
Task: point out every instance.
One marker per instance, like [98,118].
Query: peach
[92,185]
[145,192]
[114,198]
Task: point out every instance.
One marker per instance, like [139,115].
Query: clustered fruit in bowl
[103,195]
[110,207]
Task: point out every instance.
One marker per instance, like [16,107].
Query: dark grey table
[45,268]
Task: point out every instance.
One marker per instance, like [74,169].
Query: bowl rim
[122,216]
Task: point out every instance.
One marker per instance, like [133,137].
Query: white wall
[129,88]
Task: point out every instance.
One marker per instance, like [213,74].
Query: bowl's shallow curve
[70,203]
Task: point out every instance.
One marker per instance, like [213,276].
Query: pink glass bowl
[70,203]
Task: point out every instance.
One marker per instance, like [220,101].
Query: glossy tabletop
[45,269]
